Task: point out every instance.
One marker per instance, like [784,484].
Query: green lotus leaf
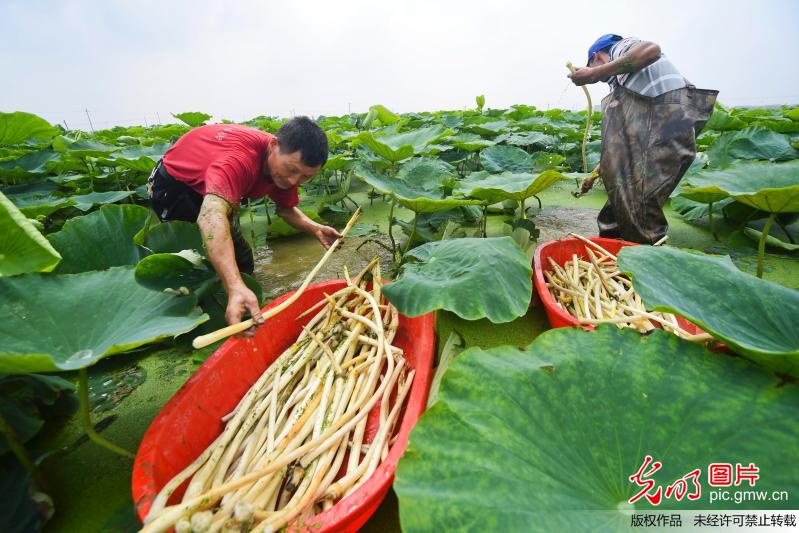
[505,158]
[22,247]
[754,317]
[721,120]
[780,125]
[417,185]
[546,438]
[18,127]
[82,147]
[529,138]
[30,165]
[66,322]
[85,202]
[771,241]
[770,187]
[692,211]
[171,270]
[172,237]
[520,112]
[486,125]
[101,239]
[24,399]
[761,143]
[398,146]
[545,161]
[493,188]
[339,162]
[192,118]
[474,278]
[469,142]
[138,157]
[384,115]
[480,100]
[793,114]
[35,205]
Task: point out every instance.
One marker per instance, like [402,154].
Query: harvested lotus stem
[297,441]
[593,290]
[589,115]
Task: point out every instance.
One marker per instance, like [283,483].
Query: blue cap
[603,43]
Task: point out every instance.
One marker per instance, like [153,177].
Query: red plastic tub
[561,251]
[191,420]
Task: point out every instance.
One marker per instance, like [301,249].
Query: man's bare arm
[640,56]
[215,230]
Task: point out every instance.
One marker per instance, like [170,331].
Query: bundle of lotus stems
[594,291]
[297,441]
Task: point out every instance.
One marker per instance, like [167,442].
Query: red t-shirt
[226,160]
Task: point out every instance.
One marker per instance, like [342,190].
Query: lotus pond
[97,296]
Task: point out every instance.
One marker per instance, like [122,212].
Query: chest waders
[647,146]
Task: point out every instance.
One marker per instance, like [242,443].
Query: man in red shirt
[204,176]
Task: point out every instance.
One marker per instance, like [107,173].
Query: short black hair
[305,135]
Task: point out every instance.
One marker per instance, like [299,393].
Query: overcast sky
[131,62]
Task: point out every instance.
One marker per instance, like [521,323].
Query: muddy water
[283,264]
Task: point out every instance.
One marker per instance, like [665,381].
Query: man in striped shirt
[649,125]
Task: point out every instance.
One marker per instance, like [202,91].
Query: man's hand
[583,76]
[587,184]
[327,235]
[241,300]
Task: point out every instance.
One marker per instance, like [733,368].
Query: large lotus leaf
[721,120]
[506,158]
[473,278]
[172,270]
[141,158]
[417,194]
[545,160]
[18,127]
[101,239]
[766,186]
[192,118]
[771,241]
[529,138]
[761,143]
[398,146]
[469,141]
[384,115]
[780,125]
[85,202]
[339,162]
[172,237]
[24,400]
[545,438]
[82,147]
[37,205]
[754,317]
[793,114]
[692,211]
[493,188]
[30,165]
[487,126]
[22,247]
[66,322]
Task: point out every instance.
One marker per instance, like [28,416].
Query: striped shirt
[659,77]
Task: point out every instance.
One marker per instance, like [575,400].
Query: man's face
[288,170]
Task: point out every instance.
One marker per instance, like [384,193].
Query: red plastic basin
[191,420]
[561,251]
